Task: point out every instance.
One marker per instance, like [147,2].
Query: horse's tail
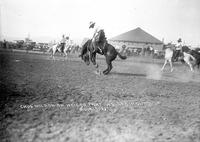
[50,48]
[121,56]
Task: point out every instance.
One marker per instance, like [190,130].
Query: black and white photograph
[99,70]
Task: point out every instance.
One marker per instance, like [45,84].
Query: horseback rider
[178,49]
[92,26]
[67,41]
[63,43]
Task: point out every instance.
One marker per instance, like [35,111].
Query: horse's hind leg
[171,66]
[109,67]
[190,65]
[93,59]
[106,70]
[164,65]
[64,55]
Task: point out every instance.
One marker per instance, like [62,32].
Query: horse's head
[186,49]
[84,52]
[169,45]
[85,47]
[100,38]
[165,46]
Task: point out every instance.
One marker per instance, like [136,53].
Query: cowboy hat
[92,24]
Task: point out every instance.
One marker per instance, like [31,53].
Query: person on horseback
[63,43]
[178,49]
[67,41]
[92,26]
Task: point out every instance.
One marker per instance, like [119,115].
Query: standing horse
[169,56]
[55,48]
[110,53]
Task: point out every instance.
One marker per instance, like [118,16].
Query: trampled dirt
[45,100]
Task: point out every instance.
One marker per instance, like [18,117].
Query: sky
[164,19]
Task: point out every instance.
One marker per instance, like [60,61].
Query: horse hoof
[105,72]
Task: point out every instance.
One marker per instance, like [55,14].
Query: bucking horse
[109,51]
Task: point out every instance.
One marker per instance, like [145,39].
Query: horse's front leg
[164,65]
[65,53]
[53,54]
[93,59]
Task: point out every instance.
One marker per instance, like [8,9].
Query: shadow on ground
[127,74]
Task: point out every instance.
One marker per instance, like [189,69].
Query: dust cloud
[185,76]
[153,72]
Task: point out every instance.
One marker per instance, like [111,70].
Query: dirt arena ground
[59,101]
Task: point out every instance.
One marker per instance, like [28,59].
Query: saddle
[61,47]
[177,55]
